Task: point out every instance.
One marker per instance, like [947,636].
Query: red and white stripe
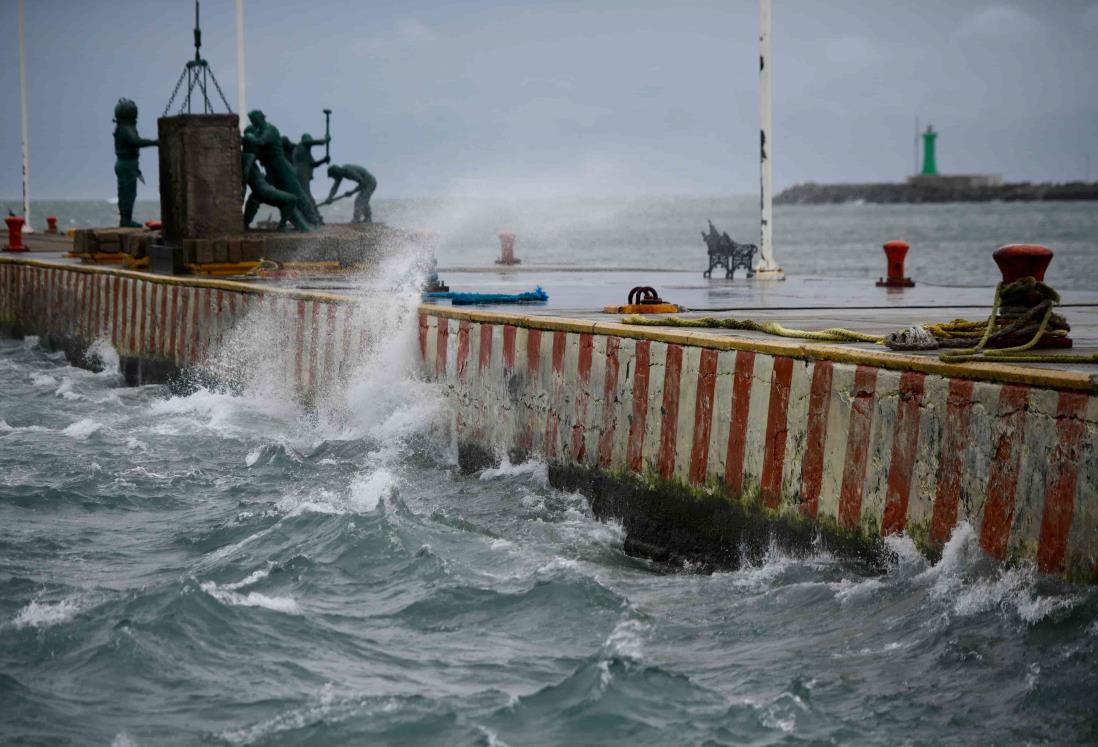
[872,450]
[182,324]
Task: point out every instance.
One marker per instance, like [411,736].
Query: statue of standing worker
[366,184]
[127,152]
[304,166]
[272,154]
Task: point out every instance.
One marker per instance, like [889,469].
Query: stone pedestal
[201,190]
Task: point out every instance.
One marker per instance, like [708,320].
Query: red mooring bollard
[896,251]
[15,234]
[1018,261]
[51,224]
[507,249]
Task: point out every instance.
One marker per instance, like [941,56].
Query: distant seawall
[811,193]
[706,447]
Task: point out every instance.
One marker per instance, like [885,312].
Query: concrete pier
[705,445]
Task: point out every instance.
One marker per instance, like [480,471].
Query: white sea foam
[365,493]
[102,355]
[122,739]
[369,490]
[65,390]
[251,578]
[533,467]
[328,707]
[4,427]
[626,640]
[906,559]
[221,411]
[47,614]
[43,380]
[81,429]
[850,591]
[1033,673]
[253,456]
[961,554]
[968,582]
[762,576]
[24,429]
[318,502]
[556,567]
[868,651]
[491,739]
[225,595]
[774,716]
[228,550]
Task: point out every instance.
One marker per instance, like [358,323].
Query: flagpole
[23,115]
[240,106]
[768,268]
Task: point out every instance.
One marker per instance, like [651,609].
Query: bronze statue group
[277,172]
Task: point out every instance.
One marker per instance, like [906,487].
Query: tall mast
[240,63]
[767,268]
[23,114]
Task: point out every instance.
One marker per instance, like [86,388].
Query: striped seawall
[861,450]
[697,442]
[164,328]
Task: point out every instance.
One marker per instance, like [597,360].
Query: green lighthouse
[930,165]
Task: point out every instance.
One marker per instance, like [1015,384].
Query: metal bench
[726,253]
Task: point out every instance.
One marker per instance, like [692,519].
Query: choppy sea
[228,567]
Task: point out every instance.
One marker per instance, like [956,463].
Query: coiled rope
[1014,315]
[834,334]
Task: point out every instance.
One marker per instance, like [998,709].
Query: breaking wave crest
[47,614]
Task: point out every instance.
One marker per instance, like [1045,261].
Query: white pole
[240,63]
[768,268]
[23,113]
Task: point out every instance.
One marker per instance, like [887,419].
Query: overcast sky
[484,97]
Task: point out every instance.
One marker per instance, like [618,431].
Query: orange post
[896,251]
[15,234]
[507,249]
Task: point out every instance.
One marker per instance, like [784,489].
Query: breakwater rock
[811,193]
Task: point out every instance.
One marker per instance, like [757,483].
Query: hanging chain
[221,93]
[194,79]
[174,93]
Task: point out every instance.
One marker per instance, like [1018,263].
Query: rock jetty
[811,193]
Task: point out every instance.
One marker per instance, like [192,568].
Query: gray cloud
[579,98]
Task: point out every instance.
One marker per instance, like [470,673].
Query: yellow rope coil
[958,329]
[834,334]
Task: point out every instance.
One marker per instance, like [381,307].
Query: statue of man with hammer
[364,189]
[304,166]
